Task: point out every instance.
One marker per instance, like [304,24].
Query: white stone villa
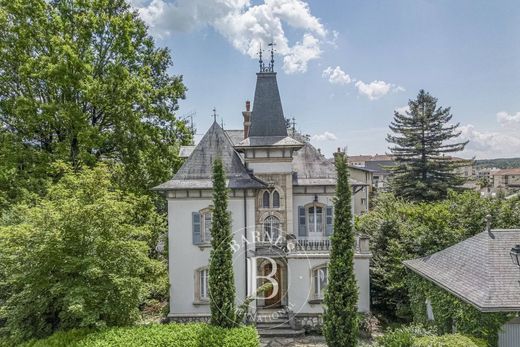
[281,202]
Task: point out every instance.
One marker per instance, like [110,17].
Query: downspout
[245,242]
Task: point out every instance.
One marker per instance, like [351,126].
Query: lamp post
[515,255]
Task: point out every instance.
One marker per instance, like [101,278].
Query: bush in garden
[452,340]
[77,258]
[155,335]
[403,337]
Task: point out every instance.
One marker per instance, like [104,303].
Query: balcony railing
[324,245]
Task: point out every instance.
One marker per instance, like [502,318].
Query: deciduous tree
[81,82]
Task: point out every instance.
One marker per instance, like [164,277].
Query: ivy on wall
[450,313]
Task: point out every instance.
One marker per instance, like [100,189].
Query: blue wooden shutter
[302,230]
[195,222]
[329,220]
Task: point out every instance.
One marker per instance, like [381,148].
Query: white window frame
[317,289]
[206,220]
[202,284]
[270,221]
[313,227]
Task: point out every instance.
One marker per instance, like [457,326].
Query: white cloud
[244,25]
[377,89]
[373,90]
[336,75]
[326,136]
[490,144]
[508,120]
[403,109]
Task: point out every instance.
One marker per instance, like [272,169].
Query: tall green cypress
[221,277]
[340,318]
[424,140]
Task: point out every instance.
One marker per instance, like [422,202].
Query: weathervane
[270,67]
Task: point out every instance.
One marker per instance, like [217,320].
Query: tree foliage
[78,257]
[423,141]
[221,276]
[80,82]
[400,230]
[340,319]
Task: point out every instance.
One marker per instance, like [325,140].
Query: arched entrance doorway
[275,272]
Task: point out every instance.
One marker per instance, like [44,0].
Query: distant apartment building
[507,179]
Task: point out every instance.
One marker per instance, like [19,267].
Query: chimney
[247,119]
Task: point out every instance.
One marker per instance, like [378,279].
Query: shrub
[403,337]
[453,340]
[77,258]
[155,335]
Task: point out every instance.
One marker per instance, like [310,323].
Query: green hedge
[450,312]
[454,340]
[167,335]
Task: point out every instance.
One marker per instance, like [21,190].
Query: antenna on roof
[214,114]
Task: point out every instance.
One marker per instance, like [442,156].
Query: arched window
[276,199]
[320,280]
[271,228]
[265,199]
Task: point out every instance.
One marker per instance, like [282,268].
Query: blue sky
[345,66]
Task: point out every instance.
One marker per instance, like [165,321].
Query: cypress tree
[221,277]
[423,137]
[341,295]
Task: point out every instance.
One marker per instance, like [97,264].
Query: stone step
[266,326]
[280,333]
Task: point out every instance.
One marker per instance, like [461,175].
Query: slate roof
[478,270]
[312,168]
[267,117]
[268,141]
[196,172]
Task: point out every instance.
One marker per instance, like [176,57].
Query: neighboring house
[507,179]
[377,164]
[281,204]
[479,271]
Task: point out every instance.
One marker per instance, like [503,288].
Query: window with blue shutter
[302,229]
[329,221]
[195,222]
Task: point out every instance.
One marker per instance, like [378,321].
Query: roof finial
[260,61]
[214,114]
[271,65]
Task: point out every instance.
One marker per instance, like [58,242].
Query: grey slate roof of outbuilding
[478,270]
[196,172]
[267,117]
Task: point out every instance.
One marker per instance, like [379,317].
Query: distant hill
[501,163]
